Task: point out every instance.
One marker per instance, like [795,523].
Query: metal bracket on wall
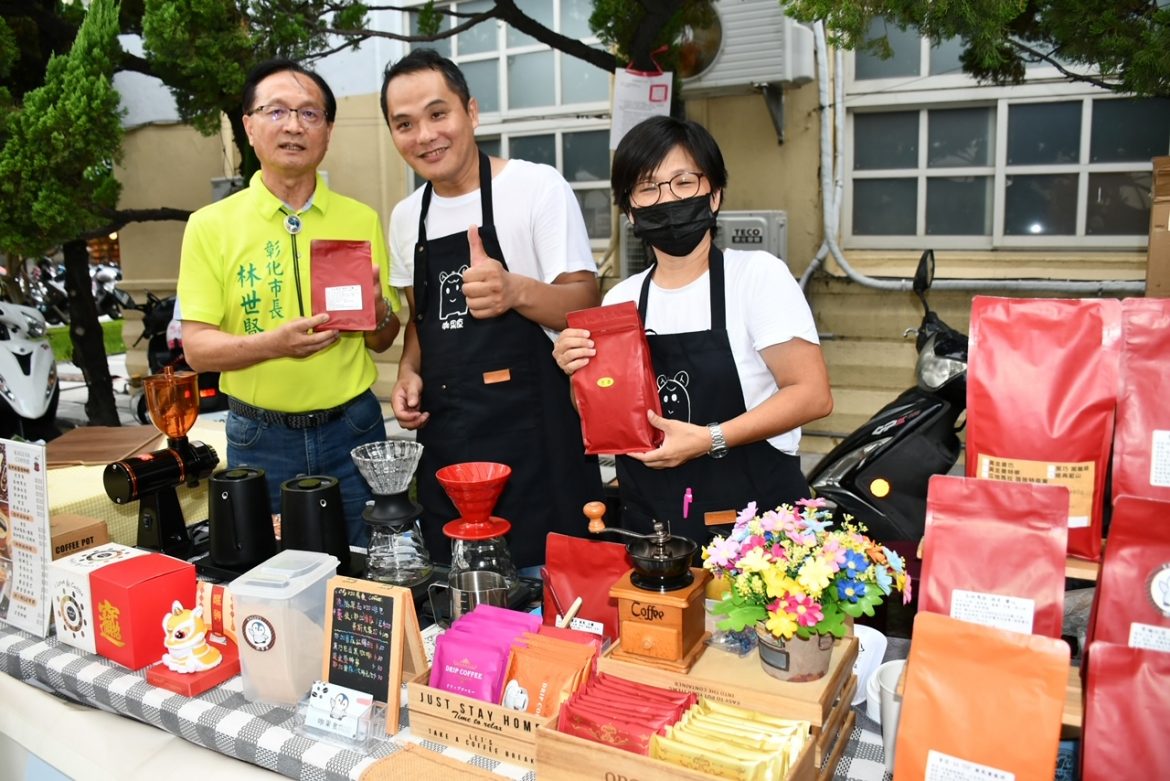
[774,98]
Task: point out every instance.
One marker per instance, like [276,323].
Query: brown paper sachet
[1126,713]
[1141,441]
[980,703]
[1132,603]
[1041,391]
[994,553]
[616,388]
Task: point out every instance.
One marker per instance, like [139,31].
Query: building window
[937,161]
[539,104]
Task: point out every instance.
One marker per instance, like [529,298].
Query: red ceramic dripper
[475,487]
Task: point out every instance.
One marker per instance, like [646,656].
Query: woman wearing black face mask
[733,342]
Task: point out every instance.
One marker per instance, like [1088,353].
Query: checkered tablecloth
[222,720]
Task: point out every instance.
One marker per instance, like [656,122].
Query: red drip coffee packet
[994,553]
[1041,389]
[980,703]
[621,713]
[1132,603]
[1141,443]
[1126,713]
[616,388]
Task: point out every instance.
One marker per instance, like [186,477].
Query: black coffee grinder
[173,400]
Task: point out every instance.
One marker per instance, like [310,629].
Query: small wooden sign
[368,627]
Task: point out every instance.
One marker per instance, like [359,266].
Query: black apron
[494,393]
[698,383]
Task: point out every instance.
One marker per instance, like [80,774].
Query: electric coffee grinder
[660,600]
[173,400]
[396,553]
[481,564]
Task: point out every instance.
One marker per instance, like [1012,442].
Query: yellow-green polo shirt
[236,273]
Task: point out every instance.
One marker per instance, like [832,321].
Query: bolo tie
[292,224]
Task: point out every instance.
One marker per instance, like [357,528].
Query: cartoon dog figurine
[187,648]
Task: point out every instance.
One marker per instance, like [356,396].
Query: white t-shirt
[765,307]
[537,217]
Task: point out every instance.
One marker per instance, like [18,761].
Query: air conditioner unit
[746,230]
[758,45]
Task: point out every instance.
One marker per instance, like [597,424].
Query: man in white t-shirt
[477,378]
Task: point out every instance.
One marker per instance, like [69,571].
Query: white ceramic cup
[891,706]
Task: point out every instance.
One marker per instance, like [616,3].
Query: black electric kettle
[312,517]
[239,518]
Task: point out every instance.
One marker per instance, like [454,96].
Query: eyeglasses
[683,185]
[309,117]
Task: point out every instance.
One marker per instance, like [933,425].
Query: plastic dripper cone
[387,466]
[475,487]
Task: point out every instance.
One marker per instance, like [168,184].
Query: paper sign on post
[637,96]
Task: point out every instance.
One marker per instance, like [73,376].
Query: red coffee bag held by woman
[617,386]
[1126,713]
[1132,605]
[1041,388]
[994,553]
[1141,443]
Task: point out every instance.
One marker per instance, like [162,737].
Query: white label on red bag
[995,610]
[343,298]
[944,767]
[584,625]
[1160,459]
[1150,637]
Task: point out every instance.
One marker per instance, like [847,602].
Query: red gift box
[130,600]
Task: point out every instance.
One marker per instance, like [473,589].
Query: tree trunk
[85,333]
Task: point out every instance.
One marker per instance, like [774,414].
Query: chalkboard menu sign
[365,626]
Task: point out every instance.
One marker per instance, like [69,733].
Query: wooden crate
[569,758]
[829,768]
[824,736]
[741,681]
[472,725]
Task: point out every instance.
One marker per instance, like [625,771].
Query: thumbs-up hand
[487,286]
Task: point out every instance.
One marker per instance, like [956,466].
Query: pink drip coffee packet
[464,664]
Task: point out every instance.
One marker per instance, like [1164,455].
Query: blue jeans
[285,453]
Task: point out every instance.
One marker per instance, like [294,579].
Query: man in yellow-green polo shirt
[299,391]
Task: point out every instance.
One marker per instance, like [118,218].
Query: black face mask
[675,227]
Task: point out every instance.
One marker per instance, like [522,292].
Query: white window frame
[558,120]
[924,93]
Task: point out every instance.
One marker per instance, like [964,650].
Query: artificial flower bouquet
[796,575]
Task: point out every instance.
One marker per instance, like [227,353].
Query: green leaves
[739,614]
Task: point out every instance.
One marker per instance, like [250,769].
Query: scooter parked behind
[879,473]
[28,375]
[164,347]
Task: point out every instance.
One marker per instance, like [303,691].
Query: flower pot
[794,660]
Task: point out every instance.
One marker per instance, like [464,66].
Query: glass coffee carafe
[396,552]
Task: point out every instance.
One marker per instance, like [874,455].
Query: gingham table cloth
[222,720]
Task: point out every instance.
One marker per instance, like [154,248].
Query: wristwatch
[718,443]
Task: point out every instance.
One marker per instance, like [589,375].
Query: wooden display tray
[829,769]
[569,758]
[741,681]
[472,725]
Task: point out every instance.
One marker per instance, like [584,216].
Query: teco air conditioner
[747,230]
[758,46]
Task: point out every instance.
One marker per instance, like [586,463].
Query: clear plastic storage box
[280,624]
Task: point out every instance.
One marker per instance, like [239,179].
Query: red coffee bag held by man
[1132,605]
[1126,713]
[1141,443]
[1041,389]
[994,553]
[616,388]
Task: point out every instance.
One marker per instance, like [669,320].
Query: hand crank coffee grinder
[660,601]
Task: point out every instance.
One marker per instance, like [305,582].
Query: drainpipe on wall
[832,189]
